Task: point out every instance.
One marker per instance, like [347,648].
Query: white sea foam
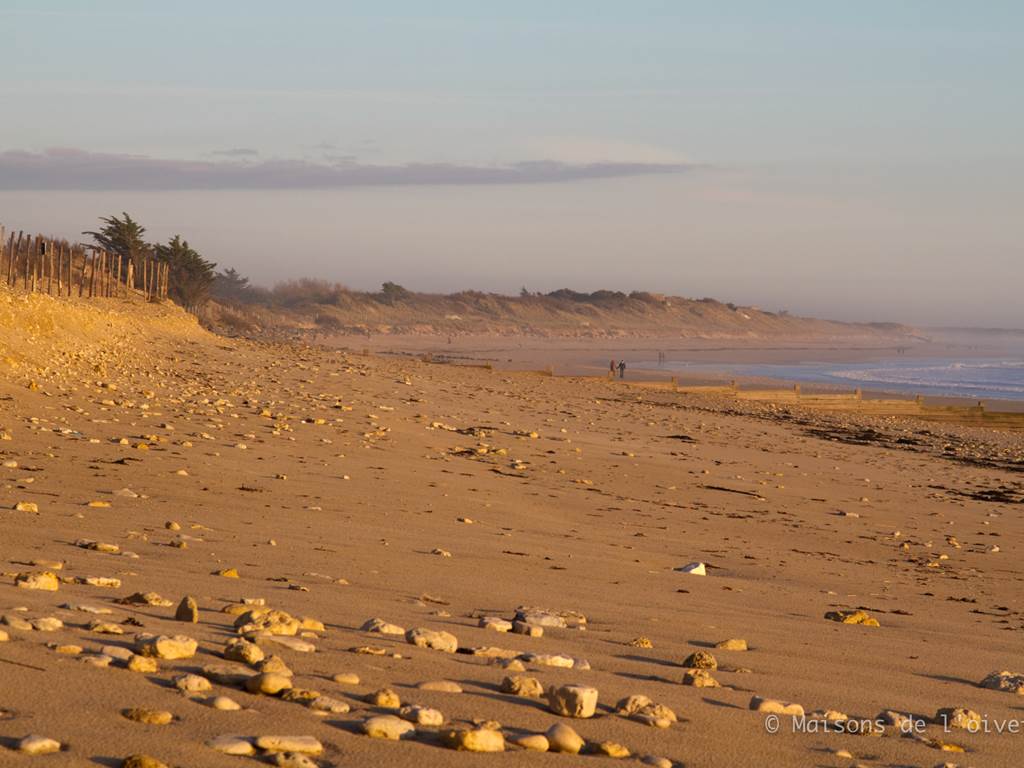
[974,378]
[991,378]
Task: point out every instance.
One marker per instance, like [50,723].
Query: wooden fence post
[12,256]
[28,262]
[60,269]
[49,261]
[11,273]
[36,260]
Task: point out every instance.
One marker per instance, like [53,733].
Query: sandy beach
[511,385]
[519,539]
[700,361]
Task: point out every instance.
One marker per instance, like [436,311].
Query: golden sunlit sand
[217,552]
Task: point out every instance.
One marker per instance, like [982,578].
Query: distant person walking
[611,367]
[622,369]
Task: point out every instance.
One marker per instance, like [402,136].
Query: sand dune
[518,537]
[310,308]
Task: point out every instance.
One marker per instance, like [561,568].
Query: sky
[859,161]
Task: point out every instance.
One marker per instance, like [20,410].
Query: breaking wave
[994,378]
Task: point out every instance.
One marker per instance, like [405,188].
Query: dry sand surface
[142,455]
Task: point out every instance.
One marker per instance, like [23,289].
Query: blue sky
[806,125]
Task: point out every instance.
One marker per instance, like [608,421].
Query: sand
[582,357]
[344,487]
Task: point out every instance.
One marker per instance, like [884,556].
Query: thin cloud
[236,152]
[76,169]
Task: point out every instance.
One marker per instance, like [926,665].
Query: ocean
[993,378]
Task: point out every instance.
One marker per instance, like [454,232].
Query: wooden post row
[40,263]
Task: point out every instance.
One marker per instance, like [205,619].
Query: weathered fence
[60,268]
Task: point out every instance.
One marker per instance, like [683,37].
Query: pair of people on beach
[621,365]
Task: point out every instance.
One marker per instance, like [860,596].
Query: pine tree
[231,285]
[191,276]
[123,237]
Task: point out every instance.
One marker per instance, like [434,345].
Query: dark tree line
[191,276]
[233,287]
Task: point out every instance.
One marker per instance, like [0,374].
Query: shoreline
[569,358]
